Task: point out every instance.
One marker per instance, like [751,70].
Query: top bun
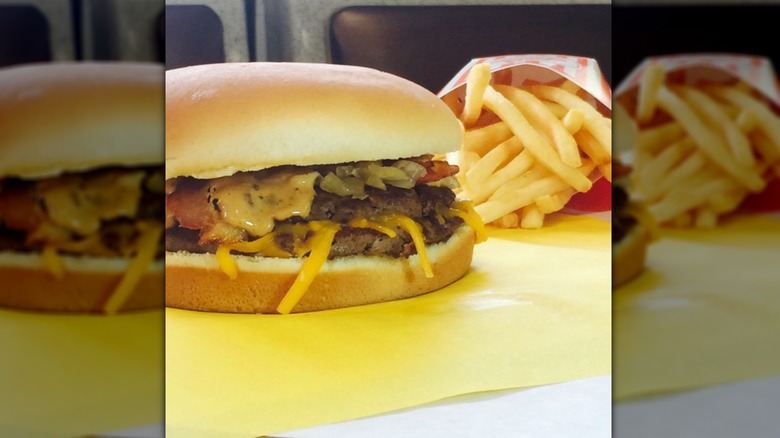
[226,118]
[66,117]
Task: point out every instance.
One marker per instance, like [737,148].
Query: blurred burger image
[632,229]
[296,187]
[81,187]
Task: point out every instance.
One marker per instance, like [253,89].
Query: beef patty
[421,204]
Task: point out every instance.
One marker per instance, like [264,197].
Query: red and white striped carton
[715,68]
[517,69]
[544,68]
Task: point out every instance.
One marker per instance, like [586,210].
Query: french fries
[547,145]
[701,148]
[477,82]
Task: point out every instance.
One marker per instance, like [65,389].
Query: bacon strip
[192,205]
[19,208]
[437,169]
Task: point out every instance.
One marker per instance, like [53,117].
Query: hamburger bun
[86,286]
[60,118]
[195,282]
[225,118]
[69,117]
[239,117]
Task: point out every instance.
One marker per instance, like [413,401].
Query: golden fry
[476,82]
[520,164]
[592,148]
[509,220]
[767,121]
[511,200]
[531,218]
[532,141]
[572,121]
[594,122]
[554,202]
[544,121]
[652,79]
[690,194]
[482,140]
[569,86]
[556,108]
[652,190]
[520,159]
[708,142]
[714,115]
[661,165]
[654,139]
[705,218]
[498,156]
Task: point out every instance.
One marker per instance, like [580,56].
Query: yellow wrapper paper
[72,375]
[705,312]
[527,314]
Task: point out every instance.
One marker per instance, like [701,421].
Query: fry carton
[542,69]
[753,72]
[547,69]
[711,68]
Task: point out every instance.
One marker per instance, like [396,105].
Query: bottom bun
[195,281]
[87,284]
[628,255]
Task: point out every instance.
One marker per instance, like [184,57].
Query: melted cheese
[147,247]
[644,217]
[415,230]
[299,232]
[246,204]
[465,210]
[319,244]
[365,223]
[79,203]
[53,262]
[226,262]
[324,232]
[264,245]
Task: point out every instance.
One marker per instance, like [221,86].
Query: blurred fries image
[702,145]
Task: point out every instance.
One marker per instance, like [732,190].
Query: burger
[294,187]
[632,230]
[81,187]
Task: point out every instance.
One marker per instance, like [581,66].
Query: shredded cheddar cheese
[365,223]
[53,262]
[644,217]
[415,230]
[301,246]
[226,262]
[316,239]
[465,210]
[147,247]
[324,232]
[264,245]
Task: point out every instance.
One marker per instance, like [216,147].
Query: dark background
[429,44]
[642,31]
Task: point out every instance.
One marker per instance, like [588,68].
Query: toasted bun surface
[60,117]
[86,286]
[231,117]
[628,255]
[195,282]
